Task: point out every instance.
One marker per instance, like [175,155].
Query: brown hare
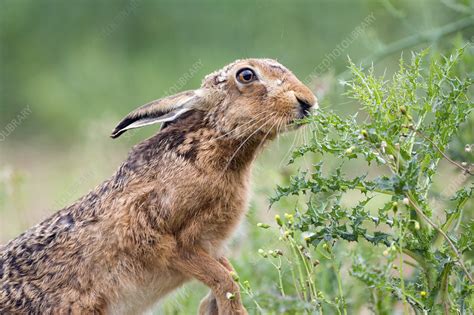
[163,218]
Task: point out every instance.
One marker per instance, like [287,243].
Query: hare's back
[46,265]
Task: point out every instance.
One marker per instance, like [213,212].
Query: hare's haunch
[164,216]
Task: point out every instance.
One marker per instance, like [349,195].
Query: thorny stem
[414,300]
[385,192]
[339,284]
[461,212]
[402,280]
[444,290]
[440,231]
[466,170]
[421,261]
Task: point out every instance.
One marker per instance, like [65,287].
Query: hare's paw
[208,305]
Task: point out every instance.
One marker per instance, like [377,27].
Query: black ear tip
[120,128]
[116,133]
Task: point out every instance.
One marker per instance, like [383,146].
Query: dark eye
[246,75]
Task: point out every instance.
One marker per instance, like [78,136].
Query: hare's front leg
[200,265]
[208,305]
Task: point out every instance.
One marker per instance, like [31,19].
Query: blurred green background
[70,70]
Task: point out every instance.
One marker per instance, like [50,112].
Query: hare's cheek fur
[285,105]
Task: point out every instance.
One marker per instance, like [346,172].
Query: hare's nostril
[303,103]
[305,107]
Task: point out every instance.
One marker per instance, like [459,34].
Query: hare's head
[251,97]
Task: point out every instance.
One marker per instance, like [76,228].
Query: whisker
[254,122]
[284,122]
[283,160]
[305,142]
[250,127]
[242,144]
[266,135]
[249,122]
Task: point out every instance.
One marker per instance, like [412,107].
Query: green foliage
[408,251]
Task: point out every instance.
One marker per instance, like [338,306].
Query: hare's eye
[246,75]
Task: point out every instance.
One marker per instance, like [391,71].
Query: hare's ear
[161,110]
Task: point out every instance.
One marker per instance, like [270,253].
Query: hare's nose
[305,106]
[305,97]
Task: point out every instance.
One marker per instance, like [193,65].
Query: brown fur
[164,216]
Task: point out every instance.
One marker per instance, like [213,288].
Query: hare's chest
[225,212]
[210,210]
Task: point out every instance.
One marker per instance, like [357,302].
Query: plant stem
[293,276]
[385,192]
[280,278]
[312,288]
[466,170]
[444,290]
[453,247]
[402,280]
[339,283]
[251,295]
[303,287]
[461,212]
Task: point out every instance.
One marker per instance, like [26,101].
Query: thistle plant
[410,252]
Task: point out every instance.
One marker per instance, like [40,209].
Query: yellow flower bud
[278,220]
[263,225]
[234,276]
[417,225]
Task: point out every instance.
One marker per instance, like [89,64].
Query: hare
[163,218]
